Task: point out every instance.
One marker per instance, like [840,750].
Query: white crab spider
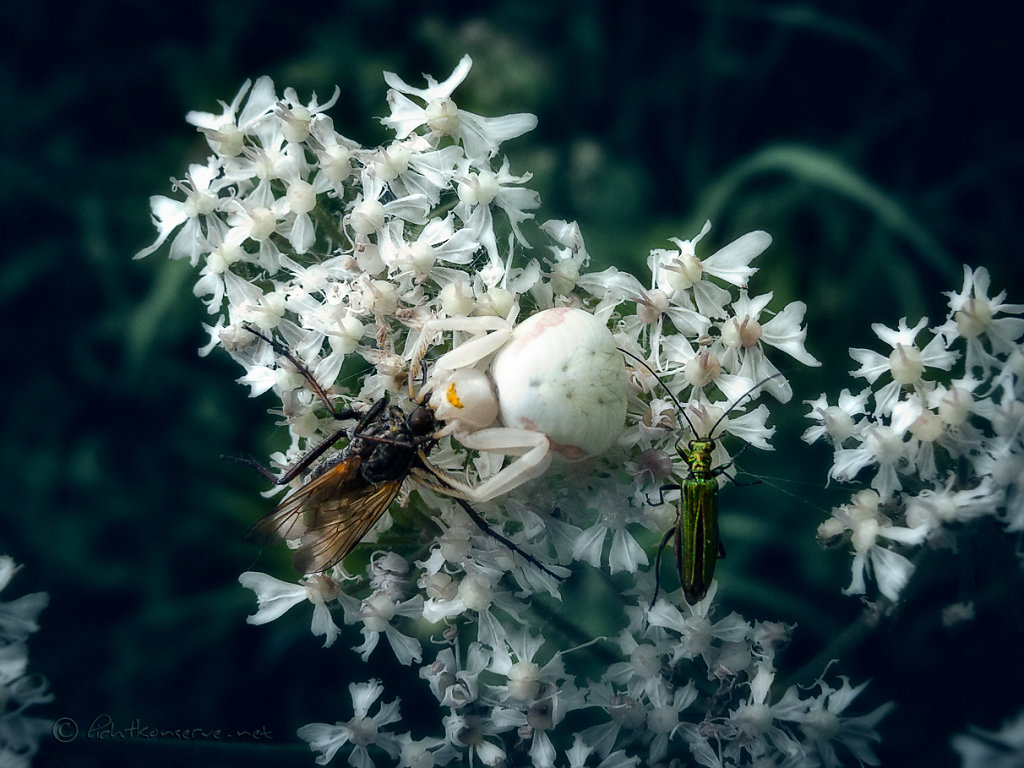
[557,380]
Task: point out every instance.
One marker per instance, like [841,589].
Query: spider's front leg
[533,456]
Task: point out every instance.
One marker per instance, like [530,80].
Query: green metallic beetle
[695,539]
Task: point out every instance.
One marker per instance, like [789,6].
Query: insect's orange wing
[330,514]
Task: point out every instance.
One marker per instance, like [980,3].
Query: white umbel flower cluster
[939,429]
[357,283]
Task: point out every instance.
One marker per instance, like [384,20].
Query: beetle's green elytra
[696,538]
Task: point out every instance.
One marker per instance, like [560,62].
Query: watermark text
[102,728]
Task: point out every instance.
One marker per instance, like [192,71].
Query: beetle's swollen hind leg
[657,563]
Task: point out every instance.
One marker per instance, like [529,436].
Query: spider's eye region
[466,398]
[453,396]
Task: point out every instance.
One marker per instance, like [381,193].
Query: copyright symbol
[64,730]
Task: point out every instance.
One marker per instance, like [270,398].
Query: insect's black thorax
[389,445]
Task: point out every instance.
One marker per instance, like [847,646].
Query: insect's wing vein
[346,521]
[298,512]
[330,515]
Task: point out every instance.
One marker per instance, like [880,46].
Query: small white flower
[470,733]
[822,722]
[740,348]
[477,191]
[377,613]
[275,597]
[480,136]
[422,753]
[226,132]
[202,188]
[362,731]
[870,530]
[906,363]
[836,422]
[974,315]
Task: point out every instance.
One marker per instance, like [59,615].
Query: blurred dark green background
[880,144]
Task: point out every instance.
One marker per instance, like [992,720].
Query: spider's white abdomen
[561,374]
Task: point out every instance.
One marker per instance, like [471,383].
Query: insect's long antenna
[679,406]
[739,399]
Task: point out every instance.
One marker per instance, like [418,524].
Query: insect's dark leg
[657,562]
[720,470]
[306,461]
[263,470]
[731,461]
[424,394]
[483,526]
[295,470]
[390,440]
[281,349]
[368,417]
[661,493]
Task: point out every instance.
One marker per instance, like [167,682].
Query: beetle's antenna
[739,399]
[679,406]
[675,400]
